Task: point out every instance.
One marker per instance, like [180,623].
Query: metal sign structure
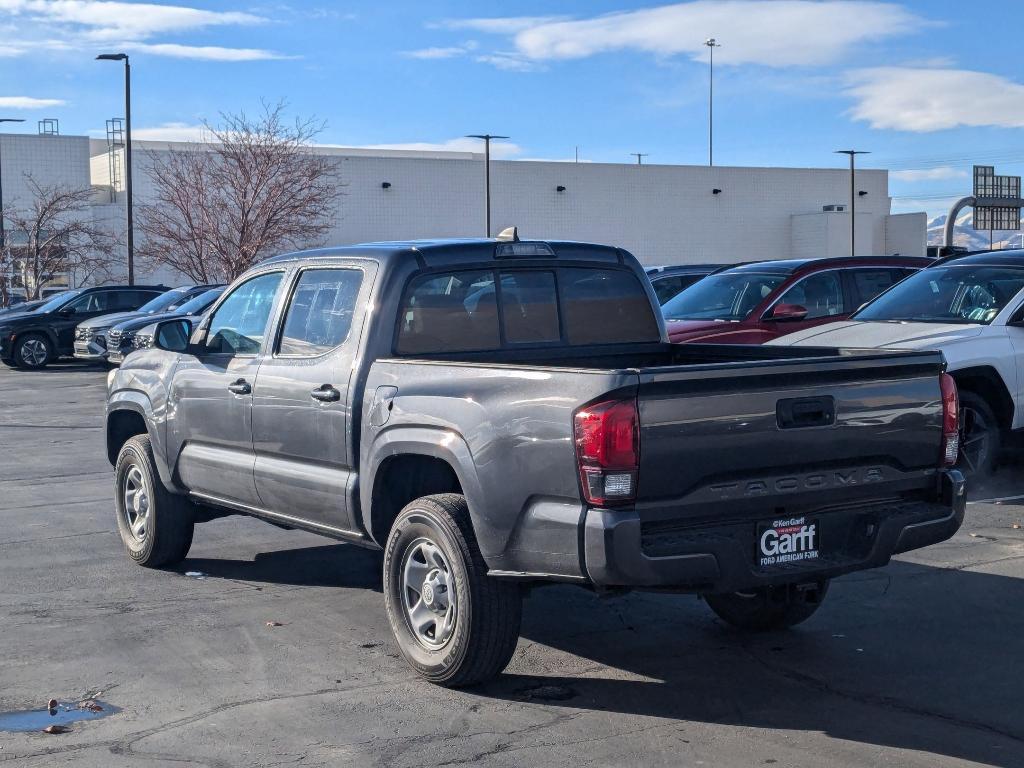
[997,200]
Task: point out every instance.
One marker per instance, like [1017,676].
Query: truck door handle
[326,394]
[240,387]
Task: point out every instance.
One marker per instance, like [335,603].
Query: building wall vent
[833,208]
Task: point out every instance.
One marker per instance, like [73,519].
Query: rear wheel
[156,525]
[33,350]
[454,624]
[981,439]
[770,607]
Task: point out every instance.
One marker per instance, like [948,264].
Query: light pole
[853,196]
[127,154]
[711,43]
[487,172]
[639,156]
[3,236]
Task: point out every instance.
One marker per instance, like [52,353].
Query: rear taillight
[950,421]
[608,451]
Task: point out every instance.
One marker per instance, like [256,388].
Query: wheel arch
[405,464]
[986,382]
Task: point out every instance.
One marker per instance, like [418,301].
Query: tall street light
[711,43]
[853,196]
[3,237]
[127,154]
[487,171]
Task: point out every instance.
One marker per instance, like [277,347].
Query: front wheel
[454,624]
[769,607]
[156,525]
[33,351]
[980,436]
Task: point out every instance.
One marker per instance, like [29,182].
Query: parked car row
[495,412]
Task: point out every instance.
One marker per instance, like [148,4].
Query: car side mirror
[784,312]
[173,335]
[66,312]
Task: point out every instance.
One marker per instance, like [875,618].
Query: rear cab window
[491,309]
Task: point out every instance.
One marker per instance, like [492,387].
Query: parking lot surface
[279,653]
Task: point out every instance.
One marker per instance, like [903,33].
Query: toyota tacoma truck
[499,413]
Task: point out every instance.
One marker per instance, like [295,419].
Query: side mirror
[172,335]
[787,312]
[66,312]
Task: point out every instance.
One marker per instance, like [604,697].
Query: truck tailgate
[778,437]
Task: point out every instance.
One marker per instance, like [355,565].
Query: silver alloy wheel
[428,594]
[136,503]
[33,352]
[974,439]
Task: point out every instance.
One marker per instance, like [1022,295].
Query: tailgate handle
[800,412]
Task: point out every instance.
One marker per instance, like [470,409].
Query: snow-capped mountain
[974,240]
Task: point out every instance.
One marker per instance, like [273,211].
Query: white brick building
[664,214]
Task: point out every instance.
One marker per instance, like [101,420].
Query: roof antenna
[508,235]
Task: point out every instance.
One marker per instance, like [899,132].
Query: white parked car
[972,310]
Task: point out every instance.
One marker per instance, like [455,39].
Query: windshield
[725,296]
[59,300]
[953,294]
[200,303]
[165,301]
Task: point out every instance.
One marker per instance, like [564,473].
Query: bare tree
[53,234]
[252,189]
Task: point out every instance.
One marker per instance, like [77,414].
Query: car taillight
[950,421]
[608,450]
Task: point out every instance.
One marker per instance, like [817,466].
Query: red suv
[754,303]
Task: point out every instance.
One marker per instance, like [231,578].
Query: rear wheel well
[401,479]
[121,426]
[987,383]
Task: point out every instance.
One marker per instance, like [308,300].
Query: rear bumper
[620,550]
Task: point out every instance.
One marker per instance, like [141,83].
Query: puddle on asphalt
[62,715]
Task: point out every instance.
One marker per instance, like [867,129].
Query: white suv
[972,310]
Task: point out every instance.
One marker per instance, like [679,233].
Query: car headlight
[84,334]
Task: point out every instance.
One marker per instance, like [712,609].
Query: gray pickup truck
[494,413]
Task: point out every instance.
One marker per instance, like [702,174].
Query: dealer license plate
[787,540]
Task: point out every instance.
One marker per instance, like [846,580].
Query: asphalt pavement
[269,647]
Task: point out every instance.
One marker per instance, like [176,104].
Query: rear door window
[604,306]
[320,313]
[868,283]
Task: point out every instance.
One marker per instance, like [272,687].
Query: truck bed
[719,442]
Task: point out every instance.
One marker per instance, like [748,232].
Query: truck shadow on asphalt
[911,657]
[331,565]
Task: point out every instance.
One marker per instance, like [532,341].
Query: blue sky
[927,86]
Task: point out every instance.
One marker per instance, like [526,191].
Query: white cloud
[509,62]
[499,149]
[172,132]
[928,174]
[436,53]
[777,33]
[499,26]
[112,20]
[924,99]
[28,102]
[205,52]
[88,24]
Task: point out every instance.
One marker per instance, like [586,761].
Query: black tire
[487,613]
[981,438]
[9,363]
[169,522]
[27,351]
[768,608]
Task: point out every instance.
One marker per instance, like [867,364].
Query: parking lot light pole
[487,173]
[3,236]
[853,196]
[127,154]
[711,43]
